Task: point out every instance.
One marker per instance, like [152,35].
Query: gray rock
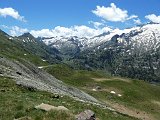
[86,115]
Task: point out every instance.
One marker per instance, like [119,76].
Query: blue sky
[47,14]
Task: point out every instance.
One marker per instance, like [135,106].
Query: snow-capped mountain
[138,39]
[133,52]
[147,37]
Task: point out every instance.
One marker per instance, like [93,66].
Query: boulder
[61,108]
[86,115]
[47,107]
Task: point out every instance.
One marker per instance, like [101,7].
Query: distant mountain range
[139,36]
[132,52]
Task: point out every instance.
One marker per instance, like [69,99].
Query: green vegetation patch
[136,94]
[19,102]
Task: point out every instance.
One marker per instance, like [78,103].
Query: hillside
[22,102]
[138,99]
[22,66]
[128,96]
[33,50]
[29,79]
[79,60]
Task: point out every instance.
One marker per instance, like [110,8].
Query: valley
[115,78]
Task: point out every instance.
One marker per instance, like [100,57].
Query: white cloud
[4,12]
[137,21]
[153,18]
[96,24]
[16,31]
[131,17]
[41,33]
[80,31]
[113,13]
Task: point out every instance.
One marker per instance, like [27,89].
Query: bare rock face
[86,115]
[28,75]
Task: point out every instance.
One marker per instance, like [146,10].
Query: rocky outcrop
[30,76]
[86,115]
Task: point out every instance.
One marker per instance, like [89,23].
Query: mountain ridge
[132,52]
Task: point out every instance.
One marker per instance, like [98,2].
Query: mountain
[26,46]
[34,46]
[132,52]
[68,46]
[27,79]
[147,31]
[16,62]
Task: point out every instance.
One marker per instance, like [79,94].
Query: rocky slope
[30,76]
[14,63]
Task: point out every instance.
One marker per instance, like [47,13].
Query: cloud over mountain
[80,31]
[113,13]
[153,18]
[15,30]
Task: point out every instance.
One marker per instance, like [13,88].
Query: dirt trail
[111,79]
[131,112]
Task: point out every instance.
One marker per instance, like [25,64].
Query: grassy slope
[136,94]
[16,102]
[11,49]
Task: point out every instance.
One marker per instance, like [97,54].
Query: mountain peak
[29,35]
[2,32]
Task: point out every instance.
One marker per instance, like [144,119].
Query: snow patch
[119,95]
[113,92]
[40,67]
